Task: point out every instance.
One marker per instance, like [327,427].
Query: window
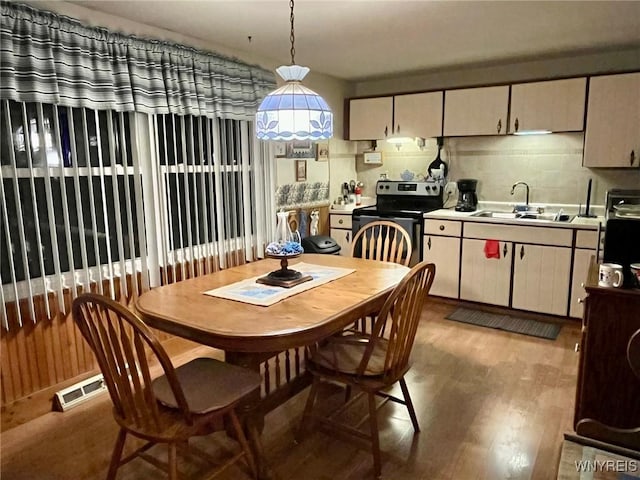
[81,187]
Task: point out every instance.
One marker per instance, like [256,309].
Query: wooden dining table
[271,339]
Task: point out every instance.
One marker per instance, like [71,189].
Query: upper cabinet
[418,115]
[476,111]
[411,115]
[612,137]
[556,106]
[370,118]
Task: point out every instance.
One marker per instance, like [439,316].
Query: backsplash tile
[550,164]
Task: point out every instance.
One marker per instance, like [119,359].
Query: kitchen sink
[545,217]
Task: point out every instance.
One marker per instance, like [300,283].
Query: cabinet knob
[441,228]
[386,130]
[347,236]
[398,129]
[521,252]
[580,300]
[504,250]
[576,348]
[429,243]
[516,124]
[582,284]
[499,126]
[340,221]
[632,157]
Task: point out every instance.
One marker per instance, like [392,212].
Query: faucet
[513,188]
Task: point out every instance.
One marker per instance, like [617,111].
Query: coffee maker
[467,199]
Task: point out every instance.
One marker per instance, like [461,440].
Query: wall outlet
[450,189]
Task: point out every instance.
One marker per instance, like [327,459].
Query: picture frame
[301,170]
[301,149]
[280,149]
[322,151]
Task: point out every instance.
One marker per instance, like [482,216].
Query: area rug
[582,462]
[506,322]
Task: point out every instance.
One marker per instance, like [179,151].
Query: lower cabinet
[541,278]
[444,252]
[482,279]
[341,231]
[581,259]
[342,238]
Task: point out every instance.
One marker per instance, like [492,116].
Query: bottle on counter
[358,191]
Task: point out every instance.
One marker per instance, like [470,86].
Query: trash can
[320,244]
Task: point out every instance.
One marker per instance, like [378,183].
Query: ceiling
[366,39]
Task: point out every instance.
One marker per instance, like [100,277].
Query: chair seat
[344,353]
[229,383]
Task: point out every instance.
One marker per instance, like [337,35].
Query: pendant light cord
[293,36]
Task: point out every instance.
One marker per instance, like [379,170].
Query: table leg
[251,412]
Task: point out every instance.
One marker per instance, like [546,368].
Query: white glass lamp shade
[293,112]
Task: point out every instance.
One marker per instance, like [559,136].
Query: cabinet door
[581,259]
[445,253]
[342,238]
[482,279]
[476,111]
[418,115]
[370,118]
[541,278]
[557,106]
[612,135]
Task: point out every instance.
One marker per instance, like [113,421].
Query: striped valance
[49,58]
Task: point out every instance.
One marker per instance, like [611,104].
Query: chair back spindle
[384,241]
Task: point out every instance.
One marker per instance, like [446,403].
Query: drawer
[562,237]
[340,221]
[446,228]
[586,239]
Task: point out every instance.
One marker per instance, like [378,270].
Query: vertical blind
[94,196]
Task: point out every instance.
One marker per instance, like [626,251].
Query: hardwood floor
[491,405]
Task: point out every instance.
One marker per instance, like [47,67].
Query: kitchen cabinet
[556,105]
[607,391]
[441,246]
[586,244]
[612,135]
[370,118]
[541,278]
[485,280]
[418,115]
[410,115]
[476,111]
[341,232]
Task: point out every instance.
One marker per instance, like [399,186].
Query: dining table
[271,339]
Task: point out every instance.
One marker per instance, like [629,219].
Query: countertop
[582,223]
[348,208]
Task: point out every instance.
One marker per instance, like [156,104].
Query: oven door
[412,225]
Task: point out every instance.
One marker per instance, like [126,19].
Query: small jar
[358,195]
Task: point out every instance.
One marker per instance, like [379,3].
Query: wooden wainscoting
[48,353]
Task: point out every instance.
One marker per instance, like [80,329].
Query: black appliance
[467,198]
[622,203]
[403,203]
[320,244]
[622,245]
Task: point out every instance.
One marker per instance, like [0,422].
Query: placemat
[248,291]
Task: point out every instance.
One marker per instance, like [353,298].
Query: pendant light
[293,112]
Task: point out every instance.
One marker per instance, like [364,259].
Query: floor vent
[80,392]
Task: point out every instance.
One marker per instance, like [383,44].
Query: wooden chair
[192,400]
[373,363]
[382,240]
